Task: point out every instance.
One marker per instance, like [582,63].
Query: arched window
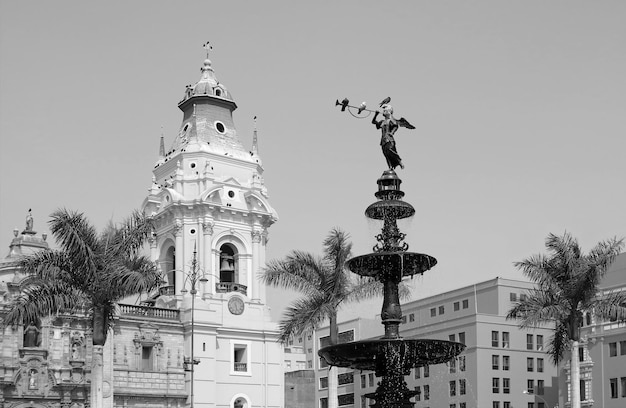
[228,264]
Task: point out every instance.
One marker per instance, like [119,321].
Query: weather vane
[207,46]
[388,125]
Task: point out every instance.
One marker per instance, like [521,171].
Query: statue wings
[404,123]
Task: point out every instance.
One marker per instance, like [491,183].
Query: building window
[623,381]
[522,297]
[622,348]
[363,381]
[457,306]
[442,310]
[452,366]
[417,372]
[540,388]
[529,342]
[612,349]
[452,337]
[462,386]
[495,385]
[147,363]
[530,386]
[345,399]
[465,304]
[495,342]
[309,364]
[345,378]
[412,317]
[462,337]
[541,405]
[505,340]
[539,342]
[462,405]
[495,362]
[418,390]
[240,354]
[506,360]
[363,401]
[529,365]
[426,371]
[540,365]
[495,404]
[452,386]
[613,387]
[461,363]
[403,319]
[426,392]
[531,405]
[371,379]
[433,312]
[323,383]
[452,405]
[513,297]
[506,404]
[581,354]
[506,385]
[324,402]
[323,363]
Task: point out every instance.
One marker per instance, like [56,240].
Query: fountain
[390,357]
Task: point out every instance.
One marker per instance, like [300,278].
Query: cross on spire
[207,46]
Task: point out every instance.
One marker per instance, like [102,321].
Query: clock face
[236,305]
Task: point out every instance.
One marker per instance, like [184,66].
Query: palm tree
[88,274]
[567,287]
[325,285]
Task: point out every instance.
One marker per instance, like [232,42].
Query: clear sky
[519,108]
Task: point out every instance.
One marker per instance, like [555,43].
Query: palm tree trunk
[575,376]
[99,327]
[332,371]
[97,372]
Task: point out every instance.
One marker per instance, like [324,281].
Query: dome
[208,85]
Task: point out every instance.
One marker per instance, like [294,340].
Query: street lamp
[540,397]
[193,277]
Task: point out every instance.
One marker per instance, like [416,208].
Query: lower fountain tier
[397,354]
[406,263]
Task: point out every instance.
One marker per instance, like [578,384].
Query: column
[207,234]
[255,283]
[180,258]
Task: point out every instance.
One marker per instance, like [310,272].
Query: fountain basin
[408,263]
[390,209]
[371,355]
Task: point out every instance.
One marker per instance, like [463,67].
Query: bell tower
[209,199]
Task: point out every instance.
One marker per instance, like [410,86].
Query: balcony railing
[147,311]
[241,367]
[225,287]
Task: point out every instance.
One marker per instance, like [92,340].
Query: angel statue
[389,125]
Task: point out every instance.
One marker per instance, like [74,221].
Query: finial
[255,141]
[162,144]
[207,46]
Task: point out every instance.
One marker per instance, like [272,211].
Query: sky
[519,109]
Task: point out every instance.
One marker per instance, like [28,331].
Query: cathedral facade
[206,337]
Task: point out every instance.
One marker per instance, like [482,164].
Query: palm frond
[610,307]
[304,315]
[76,236]
[128,237]
[133,276]
[44,298]
[299,271]
[558,343]
[364,288]
[540,307]
[48,264]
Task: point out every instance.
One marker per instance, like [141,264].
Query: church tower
[208,196]
[212,215]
